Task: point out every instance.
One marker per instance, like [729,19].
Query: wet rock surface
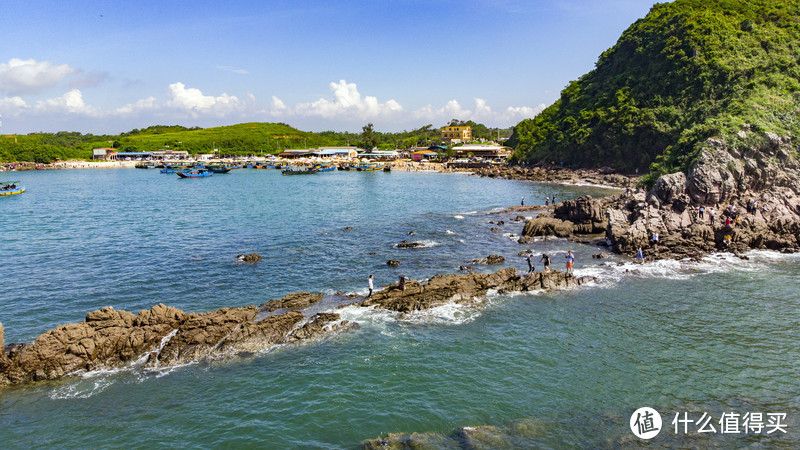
[164,336]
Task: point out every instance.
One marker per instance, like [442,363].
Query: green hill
[689,70]
[246,138]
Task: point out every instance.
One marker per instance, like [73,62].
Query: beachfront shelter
[420,155]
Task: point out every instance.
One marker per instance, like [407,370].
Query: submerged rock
[393,263]
[406,244]
[490,260]
[251,258]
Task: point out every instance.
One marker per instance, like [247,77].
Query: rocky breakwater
[159,337]
[164,336]
[737,196]
[466,288]
[605,176]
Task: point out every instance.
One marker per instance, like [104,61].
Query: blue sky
[109,67]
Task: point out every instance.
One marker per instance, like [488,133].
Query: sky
[107,67]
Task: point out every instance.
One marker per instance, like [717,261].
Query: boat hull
[194,174]
[16,191]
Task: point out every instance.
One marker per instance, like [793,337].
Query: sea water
[559,369]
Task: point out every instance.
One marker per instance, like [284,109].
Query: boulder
[491,260]
[251,258]
[393,263]
[668,187]
[547,226]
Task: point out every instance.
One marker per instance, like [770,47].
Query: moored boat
[370,167]
[195,173]
[11,188]
[298,170]
[325,167]
[216,168]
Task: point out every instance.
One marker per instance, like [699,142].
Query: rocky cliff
[749,192]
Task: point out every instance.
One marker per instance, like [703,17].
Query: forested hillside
[689,70]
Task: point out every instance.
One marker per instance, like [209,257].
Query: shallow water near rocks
[715,336]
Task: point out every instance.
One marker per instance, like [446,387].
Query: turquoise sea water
[716,336]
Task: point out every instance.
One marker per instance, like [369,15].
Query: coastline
[649,271]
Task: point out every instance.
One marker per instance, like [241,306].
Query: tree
[368,137]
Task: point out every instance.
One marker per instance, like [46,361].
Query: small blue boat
[195,173]
[11,188]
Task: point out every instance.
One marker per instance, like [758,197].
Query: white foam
[451,313]
[458,217]
[449,232]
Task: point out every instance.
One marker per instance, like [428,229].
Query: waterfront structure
[106,154]
[486,151]
[456,134]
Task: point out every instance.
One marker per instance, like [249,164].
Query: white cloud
[71,102]
[193,100]
[29,76]
[482,113]
[347,102]
[145,104]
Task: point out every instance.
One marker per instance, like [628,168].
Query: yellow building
[457,133]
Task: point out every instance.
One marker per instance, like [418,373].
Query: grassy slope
[689,70]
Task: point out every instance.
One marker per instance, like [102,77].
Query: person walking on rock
[546,260]
[570,262]
[530,263]
[370,286]
[640,256]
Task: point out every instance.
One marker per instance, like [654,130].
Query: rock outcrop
[756,188]
[295,300]
[544,225]
[466,288]
[559,174]
[163,335]
[490,260]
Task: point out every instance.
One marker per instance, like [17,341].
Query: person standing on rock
[711,216]
[370,286]
[570,262]
[655,240]
[522,203]
[402,283]
[530,263]
[700,214]
[546,260]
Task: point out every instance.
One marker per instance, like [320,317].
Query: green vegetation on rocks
[688,71]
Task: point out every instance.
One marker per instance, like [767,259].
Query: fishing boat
[347,167]
[325,167]
[145,165]
[371,167]
[299,170]
[387,168]
[195,173]
[218,168]
[11,188]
